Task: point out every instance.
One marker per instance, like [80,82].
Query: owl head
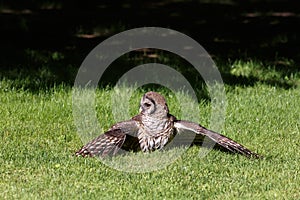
[154,104]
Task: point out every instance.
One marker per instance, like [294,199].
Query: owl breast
[153,135]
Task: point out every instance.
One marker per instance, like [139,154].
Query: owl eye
[147,105]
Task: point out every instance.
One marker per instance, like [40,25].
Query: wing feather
[220,139]
[111,141]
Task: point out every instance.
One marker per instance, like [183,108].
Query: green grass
[38,139]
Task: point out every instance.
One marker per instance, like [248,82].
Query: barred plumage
[151,130]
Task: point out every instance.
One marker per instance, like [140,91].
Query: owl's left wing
[225,142]
[121,135]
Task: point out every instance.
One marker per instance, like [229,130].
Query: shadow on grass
[44,43]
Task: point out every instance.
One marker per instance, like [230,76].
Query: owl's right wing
[122,134]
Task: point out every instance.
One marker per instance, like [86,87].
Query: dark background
[45,42]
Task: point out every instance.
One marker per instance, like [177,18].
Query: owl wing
[223,141]
[122,134]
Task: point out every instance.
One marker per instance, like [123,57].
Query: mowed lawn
[39,138]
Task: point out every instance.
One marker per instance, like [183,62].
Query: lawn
[39,138]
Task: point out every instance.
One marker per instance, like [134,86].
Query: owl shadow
[190,139]
[187,140]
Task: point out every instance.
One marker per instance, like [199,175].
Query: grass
[38,139]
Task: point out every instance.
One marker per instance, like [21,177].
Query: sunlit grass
[39,138]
